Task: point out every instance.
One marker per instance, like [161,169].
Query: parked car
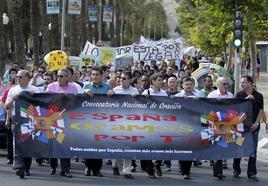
[2,127]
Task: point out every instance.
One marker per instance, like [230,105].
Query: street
[201,176]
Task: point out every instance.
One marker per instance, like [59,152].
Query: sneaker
[87,172]
[220,176]
[186,177]
[20,173]
[129,176]
[236,175]
[66,174]
[52,171]
[116,171]
[152,176]
[253,178]
[9,162]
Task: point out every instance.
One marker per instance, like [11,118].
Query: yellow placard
[107,56]
[56,59]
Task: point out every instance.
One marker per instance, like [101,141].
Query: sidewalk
[262,86]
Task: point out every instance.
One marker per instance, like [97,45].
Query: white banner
[74,7]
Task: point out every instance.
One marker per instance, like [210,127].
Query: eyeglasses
[123,78]
[225,84]
[41,72]
[19,77]
[61,76]
[212,68]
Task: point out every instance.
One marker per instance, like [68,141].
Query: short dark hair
[128,74]
[249,78]
[50,74]
[185,79]
[12,69]
[98,69]
[207,76]
[155,76]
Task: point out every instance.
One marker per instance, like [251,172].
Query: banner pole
[63,24]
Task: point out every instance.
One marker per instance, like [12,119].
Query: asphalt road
[201,176]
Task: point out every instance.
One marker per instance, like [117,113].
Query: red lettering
[99,116]
[98,137]
[133,117]
[78,115]
[115,117]
[155,117]
[134,139]
[120,137]
[169,139]
[169,118]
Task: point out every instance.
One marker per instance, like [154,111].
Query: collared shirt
[16,90]
[102,89]
[126,91]
[256,106]
[217,94]
[194,93]
[205,92]
[152,92]
[54,87]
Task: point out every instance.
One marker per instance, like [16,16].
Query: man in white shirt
[22,165]
[124,89]
[221,93]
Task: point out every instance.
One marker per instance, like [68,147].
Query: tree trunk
[74,49]
[2,41]
[34,14]
[44,28]
[117,22]
[18,33]
[55,34]
[84,25]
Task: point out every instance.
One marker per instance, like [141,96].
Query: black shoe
[152,176]
[20,173]
[133,169]
[186,177]
[9,162]
[98,174]
[108,162]
[158,172]
[87,172]
[66,174]
[116,171]
[220,176]
[253,178]
[236,175]
[27,173]
[52,171]
[197,163]
[224,164]
[129,176]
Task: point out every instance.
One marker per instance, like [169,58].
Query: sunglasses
[123,78]
[212,69]
[41,72]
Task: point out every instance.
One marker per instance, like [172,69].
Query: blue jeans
[252,170]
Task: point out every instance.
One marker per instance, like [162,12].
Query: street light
[5,19]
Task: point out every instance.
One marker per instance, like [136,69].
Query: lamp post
[40,42]
[100,20]
[5,23]
[63,24]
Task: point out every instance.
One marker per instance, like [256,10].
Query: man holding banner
[249,93]
[124,89]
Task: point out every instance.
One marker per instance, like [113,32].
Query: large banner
[126,127]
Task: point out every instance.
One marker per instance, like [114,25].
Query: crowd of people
[154,79]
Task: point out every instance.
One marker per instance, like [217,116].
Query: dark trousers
[9,136]
[64,162]
[149,165]
[185,167]
[217,167]
[23,163]
[167,163]
[94,164]
[252,170]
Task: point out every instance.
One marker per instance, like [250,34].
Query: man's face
[22,79]
[182,74]
[208,83]
[244,83]
[62,78]
[170,70]
[158,82]
[188,86]
[124,81]
[145,82]
[47,80]
[223,86]
[41,71]
[172,83]
[96,77]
